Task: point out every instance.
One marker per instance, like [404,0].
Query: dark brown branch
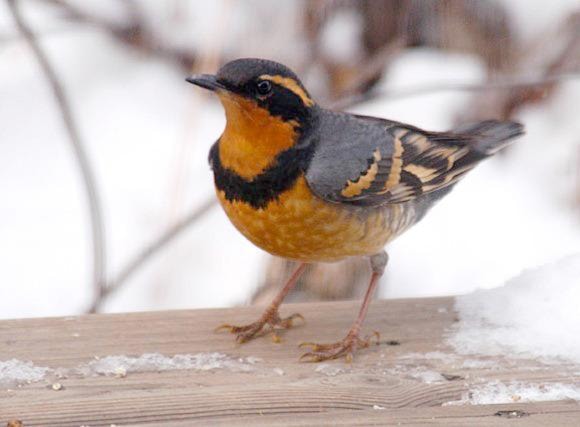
[150,251]
[77,146]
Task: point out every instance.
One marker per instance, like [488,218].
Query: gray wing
[368,161]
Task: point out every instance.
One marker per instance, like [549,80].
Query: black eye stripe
[280,100]
[285,104]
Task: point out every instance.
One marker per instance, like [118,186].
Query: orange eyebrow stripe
[292,86]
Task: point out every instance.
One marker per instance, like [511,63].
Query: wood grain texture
[277,390]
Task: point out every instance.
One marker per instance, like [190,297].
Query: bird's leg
[352,341]
[270,320]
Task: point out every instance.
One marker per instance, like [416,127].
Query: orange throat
[253,137]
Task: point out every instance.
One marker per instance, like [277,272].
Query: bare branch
[371,71]
[150,251]
[135,34]
[98,235]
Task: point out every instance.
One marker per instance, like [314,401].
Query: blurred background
[106,197]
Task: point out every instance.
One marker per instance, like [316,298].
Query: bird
[313,185]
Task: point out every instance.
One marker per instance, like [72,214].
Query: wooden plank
[561,414]
[276,389]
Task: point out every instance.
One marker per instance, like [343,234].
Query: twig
[98,235]
[441,87]
[150,251]
[371,71]
[134,35]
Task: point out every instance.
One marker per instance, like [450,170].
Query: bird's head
[250,85]
[267,110]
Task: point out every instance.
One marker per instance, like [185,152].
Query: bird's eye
[264,87]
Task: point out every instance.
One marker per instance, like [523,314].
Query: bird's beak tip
[206,81]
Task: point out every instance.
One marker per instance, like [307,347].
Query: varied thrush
[314,185]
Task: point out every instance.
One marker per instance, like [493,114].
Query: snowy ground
[535,315]
[148,133]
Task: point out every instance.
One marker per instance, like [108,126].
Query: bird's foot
[269,322]
[346,347]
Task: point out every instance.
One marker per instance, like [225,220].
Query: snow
[16,372]
[329,370]
[154,362]
[498,392]
[416,373]
[427,376]
[419,366]
[479,364]
[534,315]
[431,355]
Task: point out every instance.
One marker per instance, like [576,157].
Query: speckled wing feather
[367,161]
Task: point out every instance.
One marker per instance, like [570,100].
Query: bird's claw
[346,348]
[268,323]
[225,327]
[288,322]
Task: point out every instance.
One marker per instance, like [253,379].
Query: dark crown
[240,71]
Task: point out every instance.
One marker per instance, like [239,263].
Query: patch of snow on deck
[423,367]
[329,370]
[155,362]
[427,376]
[16,372]
[536,314]
[480,364]
[497,392]
[431,355]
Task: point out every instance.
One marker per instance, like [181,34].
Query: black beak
[206,81]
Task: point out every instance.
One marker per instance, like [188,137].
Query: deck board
[385,385]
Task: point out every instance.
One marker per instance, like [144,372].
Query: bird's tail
[490,136]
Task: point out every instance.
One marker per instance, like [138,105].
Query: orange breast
[252,137]
[300,226]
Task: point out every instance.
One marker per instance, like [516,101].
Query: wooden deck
[261,383]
